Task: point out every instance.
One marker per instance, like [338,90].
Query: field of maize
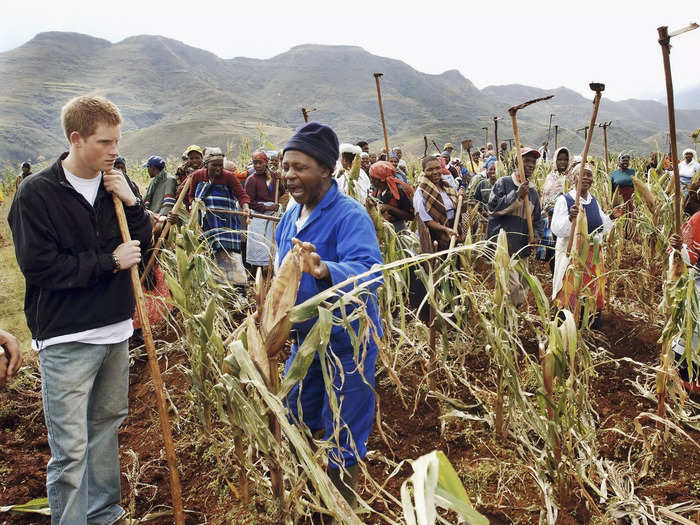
[485,412]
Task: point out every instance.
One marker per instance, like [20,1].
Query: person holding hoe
[508,212]
[564,293]
[220,190]
[435,202]
[340,242]
[79,304]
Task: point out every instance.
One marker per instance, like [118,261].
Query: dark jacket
[507,212]
[64,248]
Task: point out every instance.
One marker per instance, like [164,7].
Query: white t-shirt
[88,188]
[103,335]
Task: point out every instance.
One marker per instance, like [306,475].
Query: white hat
[350,148]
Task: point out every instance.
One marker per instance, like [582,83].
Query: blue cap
[318,141]
[154,161]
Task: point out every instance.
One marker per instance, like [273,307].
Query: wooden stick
[175,488]
[164,233]
[381,113]
[521,176]
[453,238]
[605,145]
[496,145]
[664,40]
[598,88]
[244,214]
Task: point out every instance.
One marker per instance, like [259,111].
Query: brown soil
[504,496]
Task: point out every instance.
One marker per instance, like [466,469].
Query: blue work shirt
[344,236]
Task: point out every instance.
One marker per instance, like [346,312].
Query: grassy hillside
[172,95]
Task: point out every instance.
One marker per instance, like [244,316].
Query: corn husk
[275,322]
[644,192]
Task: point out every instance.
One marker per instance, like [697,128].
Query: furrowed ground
[413,422]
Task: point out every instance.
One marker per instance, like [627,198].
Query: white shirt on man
[103,335]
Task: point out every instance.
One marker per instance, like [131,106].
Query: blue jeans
[85,389]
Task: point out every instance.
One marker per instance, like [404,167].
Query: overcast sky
[545,44]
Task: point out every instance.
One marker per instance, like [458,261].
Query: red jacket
[227,177]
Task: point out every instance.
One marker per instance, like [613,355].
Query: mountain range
[172,95]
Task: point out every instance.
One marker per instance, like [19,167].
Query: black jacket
[64,248]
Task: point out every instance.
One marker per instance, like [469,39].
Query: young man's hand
[10,357]
[115,183]
[128,254]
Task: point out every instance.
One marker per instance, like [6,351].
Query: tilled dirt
[489,469]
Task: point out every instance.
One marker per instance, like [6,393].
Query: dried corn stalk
[645,193]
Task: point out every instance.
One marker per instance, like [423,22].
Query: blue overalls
[344,237]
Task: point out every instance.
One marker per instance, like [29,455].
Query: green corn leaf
[35,506]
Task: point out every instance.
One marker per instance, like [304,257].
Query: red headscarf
[385,172]
[260,155]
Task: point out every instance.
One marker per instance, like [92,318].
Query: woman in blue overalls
[345,244]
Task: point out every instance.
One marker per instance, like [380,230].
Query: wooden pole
[455,227]
[664,40]
[164,233]
[556,137]
[381,113]
[598,88]
[486,135]
[676,265]
[496,145]
[605,125]
[175,488]
[244,214]
[521,176]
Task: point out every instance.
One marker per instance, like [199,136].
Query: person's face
[625,163]
[26,170]
[194,159]
[366,163]
[305,179]
[365,148]
[475,156]
[346,160]
[372,158]
[562,161]
[688,157]
[450,150]
[491,173]
[587,180]
[394,162]
[98,151]
[529,163]
[399,153]
[654,157]
[504,146]
[274,163]
[153,171]
[379,184]
[215,168]
[260,166]
[433,170]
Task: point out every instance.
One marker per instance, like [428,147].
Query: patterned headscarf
[385,172]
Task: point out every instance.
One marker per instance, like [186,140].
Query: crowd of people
[315,193]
